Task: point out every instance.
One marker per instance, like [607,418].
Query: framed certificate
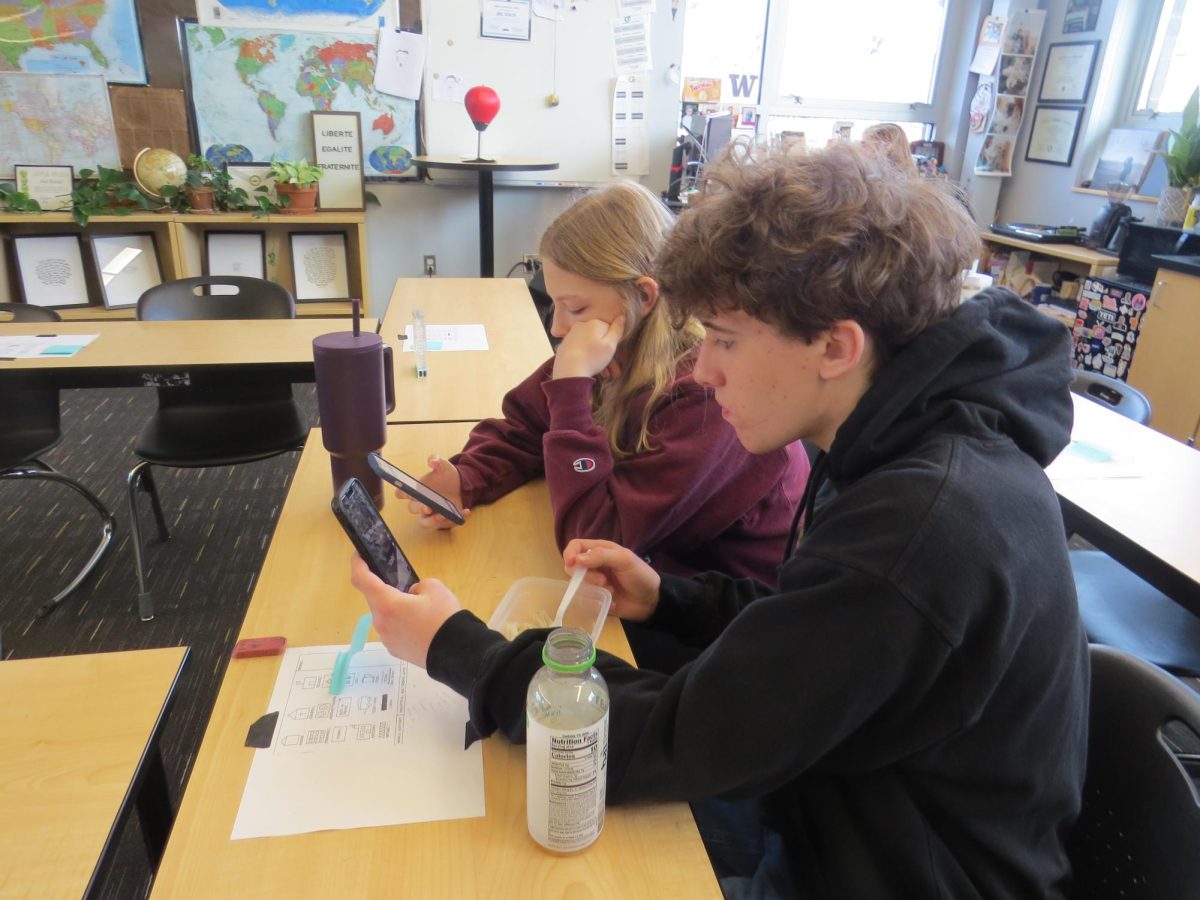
[1052,135]
[1068,73]
[50,186]
[241,253]
[127,266]
[50,269]
[319,265]
[337,143]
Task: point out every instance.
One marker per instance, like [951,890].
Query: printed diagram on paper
[369,711]
[388,750]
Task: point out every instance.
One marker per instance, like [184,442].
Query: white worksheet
[31,346]
[388,750]
[443,338]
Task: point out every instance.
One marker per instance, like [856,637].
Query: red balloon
[482,105]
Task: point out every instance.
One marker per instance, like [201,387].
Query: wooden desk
[650,851]
[485,168]
[464,386]
[1095,261]
[1148,523]
[137,354]
[78,748]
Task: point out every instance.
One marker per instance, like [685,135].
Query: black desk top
[486,165]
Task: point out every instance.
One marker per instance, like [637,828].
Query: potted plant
[108,191]
[13,200]
[296,184]
[198,188]
[1182,157]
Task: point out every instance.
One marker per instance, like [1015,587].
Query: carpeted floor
[221,522]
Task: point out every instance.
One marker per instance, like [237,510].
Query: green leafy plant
[15,201]
[200,174]
[106,191]
[296,172]
[1183,152]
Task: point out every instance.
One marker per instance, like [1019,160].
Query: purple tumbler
[355,391]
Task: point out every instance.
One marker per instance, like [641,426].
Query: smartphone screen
[370,535]
[423,493]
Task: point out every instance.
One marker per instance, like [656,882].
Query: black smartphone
[356,512]
[427,495]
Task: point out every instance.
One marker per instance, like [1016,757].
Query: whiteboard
[577,133]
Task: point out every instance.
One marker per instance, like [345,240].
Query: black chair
[1117,607]
[1138,834]
[29,426]
[203,426]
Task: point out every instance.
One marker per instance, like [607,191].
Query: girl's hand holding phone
[588,348]
[442,477]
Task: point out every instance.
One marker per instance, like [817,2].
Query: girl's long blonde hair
[611,236]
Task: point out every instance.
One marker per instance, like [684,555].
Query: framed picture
[1068,73]
[1127,157]
[1052,135]
[241,253]
[49,269]
[337,143]
[50,186]
[319,268]
[1081,15]
[127,266]
[1014,75]
[250,177]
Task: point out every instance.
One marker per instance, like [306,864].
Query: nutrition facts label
[566,806]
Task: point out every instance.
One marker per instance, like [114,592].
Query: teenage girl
[632,448]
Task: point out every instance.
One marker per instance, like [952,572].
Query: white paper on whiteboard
[631,44]
[399,62]
[448,87]
[388,750]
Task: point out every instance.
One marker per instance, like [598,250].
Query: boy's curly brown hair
[802,240]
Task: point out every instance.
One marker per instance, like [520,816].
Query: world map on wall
[72,37]
[305,15]
[55,120]
[252,92]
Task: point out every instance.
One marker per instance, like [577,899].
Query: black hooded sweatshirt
[911,703]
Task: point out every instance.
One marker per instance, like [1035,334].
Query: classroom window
[856,52]
[1170,75]
[725,41]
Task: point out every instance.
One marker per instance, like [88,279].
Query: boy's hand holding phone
[406,622]
[588,348]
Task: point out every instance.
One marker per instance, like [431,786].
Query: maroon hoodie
[699,501]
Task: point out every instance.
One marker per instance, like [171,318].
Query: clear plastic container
[532,603]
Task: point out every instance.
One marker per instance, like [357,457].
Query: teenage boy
[910,704]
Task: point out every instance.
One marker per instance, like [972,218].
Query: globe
[154,168]
[390,160]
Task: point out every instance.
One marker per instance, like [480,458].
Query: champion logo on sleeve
[584,464]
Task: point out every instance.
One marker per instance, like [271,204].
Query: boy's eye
[723,344]
[576,312]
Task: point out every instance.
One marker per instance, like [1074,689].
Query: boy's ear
[648,288]
[847,347]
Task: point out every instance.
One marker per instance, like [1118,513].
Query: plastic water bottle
[420,343]
[566,753]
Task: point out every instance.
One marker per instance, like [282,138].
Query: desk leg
[487,258]
[154,809]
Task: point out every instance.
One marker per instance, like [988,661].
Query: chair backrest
[29,417]
[26,312]
[1113,393]
[253,298]
[1139,832]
